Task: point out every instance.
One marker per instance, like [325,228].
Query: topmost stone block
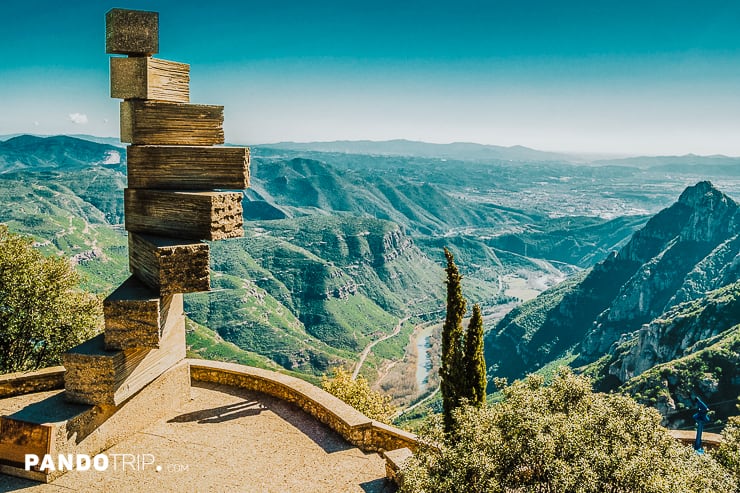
[131,32]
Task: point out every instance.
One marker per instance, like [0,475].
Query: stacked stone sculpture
[171,206]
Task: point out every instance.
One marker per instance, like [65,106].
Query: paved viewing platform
[229,439]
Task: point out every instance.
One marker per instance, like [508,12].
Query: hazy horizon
[566,154]
[583,77]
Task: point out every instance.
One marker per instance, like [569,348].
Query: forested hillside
[338,247]
[662,309]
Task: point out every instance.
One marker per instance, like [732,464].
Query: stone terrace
[231,439]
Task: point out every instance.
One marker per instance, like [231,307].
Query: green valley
[338,247]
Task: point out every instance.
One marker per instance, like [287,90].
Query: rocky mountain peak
[682,252]
[701,195]
[666,257]
[714,214]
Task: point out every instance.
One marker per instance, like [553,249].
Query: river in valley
[423,360]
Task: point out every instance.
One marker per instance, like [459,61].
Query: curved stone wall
[687,437]
[355,427]
[33,381]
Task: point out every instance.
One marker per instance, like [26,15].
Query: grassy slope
[518,328]
[203,343]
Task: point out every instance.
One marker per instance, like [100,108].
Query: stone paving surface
[228,440]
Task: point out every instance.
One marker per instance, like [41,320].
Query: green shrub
[42,312]
[559,438]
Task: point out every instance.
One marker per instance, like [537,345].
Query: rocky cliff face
[391,246]
[680,254]
[720,268]
[676,333]
[693,350]
[677,249]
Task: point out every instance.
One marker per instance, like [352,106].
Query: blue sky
[628,77]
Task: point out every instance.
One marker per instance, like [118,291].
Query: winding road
[369,347]
[417,404]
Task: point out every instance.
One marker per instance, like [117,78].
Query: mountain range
[340,246]
[668,294]
[466,151]
[30,153]
[336,249]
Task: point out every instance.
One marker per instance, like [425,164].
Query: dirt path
[419,403]
[366,351]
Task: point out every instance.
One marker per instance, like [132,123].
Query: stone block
[136,316]
[169,266]
[99,376]
[131,32]
[47,421]
[188,167]
[18,438]
[188,215]
[149,78]
[37,381]
[159,123]
[394,462]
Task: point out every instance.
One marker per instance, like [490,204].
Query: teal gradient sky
[628,77]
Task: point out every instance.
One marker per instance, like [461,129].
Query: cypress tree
[452,372]
[475,364]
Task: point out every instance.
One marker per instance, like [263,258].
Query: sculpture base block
[47,423]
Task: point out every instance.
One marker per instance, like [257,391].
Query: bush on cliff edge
[42,312]
[558,438]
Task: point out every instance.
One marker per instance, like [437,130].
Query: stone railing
[355,427]
[687,437]
[361,431]
[33,381]
[358,429]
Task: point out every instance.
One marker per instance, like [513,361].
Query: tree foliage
[728,453]
[42,312]
[475,364]
[558,438]
[452,373]
[358,394]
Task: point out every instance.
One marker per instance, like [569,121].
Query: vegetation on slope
[710,373]
[511,349]
[690,351]
[246,315]
[560,437]
[203,343]
[43,206]
[42,312]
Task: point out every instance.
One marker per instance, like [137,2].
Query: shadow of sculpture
[380,485]
[221,414]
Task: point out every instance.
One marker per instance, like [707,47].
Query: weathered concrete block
[395,461]
[149,78]
[169,266]
[98,376]
[135,315]
[189,215]
[37,381]
[188,167]
[131,32]
[52,423]
[18,438]
[160,123]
